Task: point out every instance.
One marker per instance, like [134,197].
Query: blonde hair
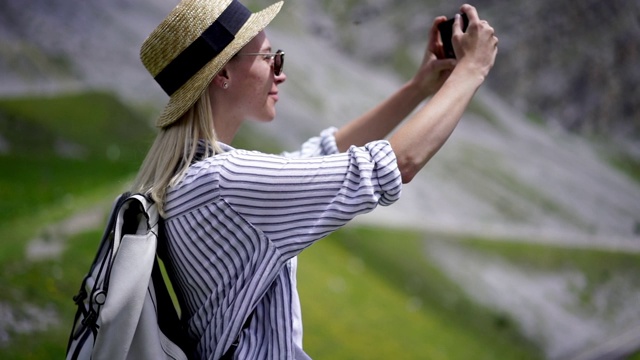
[173,151]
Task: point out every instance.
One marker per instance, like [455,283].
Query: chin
[265,118]
[269,116]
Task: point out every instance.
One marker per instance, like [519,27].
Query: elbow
[408,169]
[411,160]
[410,166]
[406,177]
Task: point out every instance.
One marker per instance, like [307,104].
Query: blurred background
[519,240]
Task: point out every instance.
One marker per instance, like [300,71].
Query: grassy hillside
[367,293]
[62,159]
[64,146]
[60,156]
[370,293]
[350,311]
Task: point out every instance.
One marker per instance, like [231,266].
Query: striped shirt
[236,222]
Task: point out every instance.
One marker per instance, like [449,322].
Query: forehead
[258,43]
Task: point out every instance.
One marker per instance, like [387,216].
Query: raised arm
[417,140]
[378,122]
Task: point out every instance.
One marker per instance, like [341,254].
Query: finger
[435,42]
[438,20]
[490,29]
[471,12]
[457,25]
[444,64]
[434,34]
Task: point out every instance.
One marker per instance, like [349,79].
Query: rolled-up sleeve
[384,171]
[296,201]
[324,144]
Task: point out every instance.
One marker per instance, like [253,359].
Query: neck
[226,121]
[226,126]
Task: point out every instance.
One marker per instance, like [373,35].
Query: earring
[225,85]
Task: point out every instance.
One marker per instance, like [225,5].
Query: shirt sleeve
[296,201]
[325,144]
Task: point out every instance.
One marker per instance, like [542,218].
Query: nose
[280,78]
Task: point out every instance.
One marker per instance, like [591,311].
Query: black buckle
[80,297]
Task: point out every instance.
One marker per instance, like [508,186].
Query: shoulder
[203,180]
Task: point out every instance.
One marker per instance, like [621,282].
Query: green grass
[33,184]
[48,284]
[367,293]
[104,140]
[556,258]
[67,154]
[629,165]
[597,266]
[95,120]
[350,309]
[38,186]
[370,293]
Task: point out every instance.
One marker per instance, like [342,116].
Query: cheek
[258,86]
[255,97]
[259,74]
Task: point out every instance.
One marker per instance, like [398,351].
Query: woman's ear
[222,79]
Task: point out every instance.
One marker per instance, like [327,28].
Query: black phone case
[446,32]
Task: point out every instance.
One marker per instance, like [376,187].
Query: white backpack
[123,293]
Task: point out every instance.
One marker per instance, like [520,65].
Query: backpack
[124,291]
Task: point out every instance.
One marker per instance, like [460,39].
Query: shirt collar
[201,150]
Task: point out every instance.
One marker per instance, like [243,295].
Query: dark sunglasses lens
[278,62]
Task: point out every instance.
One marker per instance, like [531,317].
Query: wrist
[468,74]
[473,70]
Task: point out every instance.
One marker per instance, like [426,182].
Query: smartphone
[446,32]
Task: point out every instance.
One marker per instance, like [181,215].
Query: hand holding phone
[446,32]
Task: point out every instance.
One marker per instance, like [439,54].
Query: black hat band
[206,47]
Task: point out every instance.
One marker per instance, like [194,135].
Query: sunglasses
[277,57]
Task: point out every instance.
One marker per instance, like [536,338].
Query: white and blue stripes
[238,219]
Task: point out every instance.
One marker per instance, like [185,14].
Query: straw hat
[193,43]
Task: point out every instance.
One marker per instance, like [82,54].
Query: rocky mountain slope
[571,64]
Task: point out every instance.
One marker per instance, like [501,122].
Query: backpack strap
[87,316]
[169,322]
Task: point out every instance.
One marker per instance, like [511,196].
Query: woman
[235,220]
